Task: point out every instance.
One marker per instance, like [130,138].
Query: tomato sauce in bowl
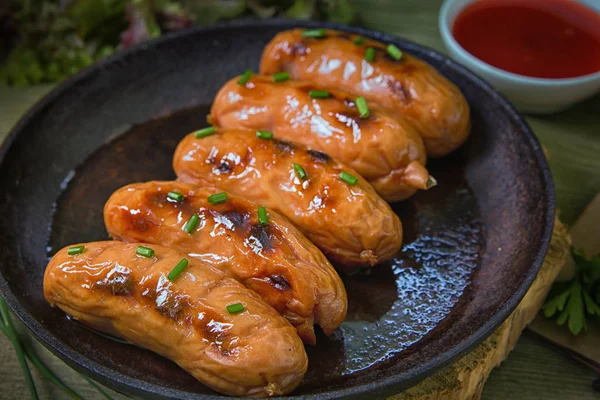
[551,39]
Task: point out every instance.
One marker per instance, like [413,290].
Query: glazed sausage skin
[110,288]
[352,225]
[275,260]
[409,87]
[386,151]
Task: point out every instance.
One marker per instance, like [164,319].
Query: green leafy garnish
[55,39]
[576,300]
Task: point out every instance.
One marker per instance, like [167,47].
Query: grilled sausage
[408,88]
[351,224]
[112,289]
[386,151]
[275,260]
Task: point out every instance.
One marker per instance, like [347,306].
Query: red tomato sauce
[538,38]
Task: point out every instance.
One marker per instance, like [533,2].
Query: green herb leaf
[590,305]
[575,309]
[556,304]
[577,298]
[341,11]
[301,9]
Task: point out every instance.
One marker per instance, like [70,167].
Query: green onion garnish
[245,77]
[349,179]
[144,251]
[299,171]
[75,250]
[191,224]
[394,52]
[281,76]
[235,308]
[318,94]
[262,216]
[370,54]
[363,108]
[209,130]
[176,196]
[264,135]
[218,198]
[178,269]
[314,33]
[359,40]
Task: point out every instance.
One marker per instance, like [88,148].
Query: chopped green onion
[235,308]
[314,33]
[218,198]
[191,224]
[349,179]
[264,135]
[144,251]
[359,40]
[281,76]
[394,52]
[209,130]
[176,196]
[363,108]
[75,250]
[318,94]
[370,54]
[178,269]
[262,216]
[245,77]
[299,171]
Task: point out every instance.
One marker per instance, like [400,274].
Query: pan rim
[381,387]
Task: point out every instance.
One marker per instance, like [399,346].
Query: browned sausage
[350,223]
[386,151]
[275,259]
[112,289]
[409,87]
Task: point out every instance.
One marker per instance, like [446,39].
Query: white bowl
[534,95]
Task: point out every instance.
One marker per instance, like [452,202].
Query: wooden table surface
[534,370]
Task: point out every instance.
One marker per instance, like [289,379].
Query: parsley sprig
[576,300]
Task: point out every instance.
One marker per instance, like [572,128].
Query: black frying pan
[472,247]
